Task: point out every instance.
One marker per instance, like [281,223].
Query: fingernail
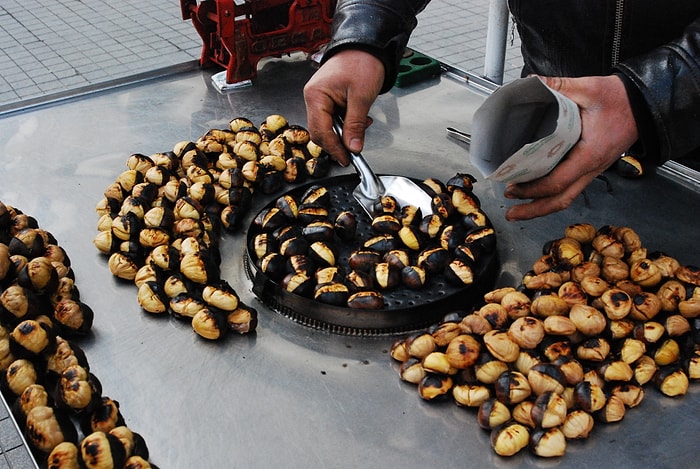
[356,143]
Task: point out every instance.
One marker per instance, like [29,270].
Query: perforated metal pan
[404,309]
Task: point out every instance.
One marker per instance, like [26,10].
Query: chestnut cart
[289,395]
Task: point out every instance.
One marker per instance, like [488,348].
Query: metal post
[496,41]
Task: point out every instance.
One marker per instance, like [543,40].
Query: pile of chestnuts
[55,399]
[596,319]
[161,220]
[313,249]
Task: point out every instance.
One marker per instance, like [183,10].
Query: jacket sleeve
[667,80]
[381,27]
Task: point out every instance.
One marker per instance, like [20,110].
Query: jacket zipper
[617,32]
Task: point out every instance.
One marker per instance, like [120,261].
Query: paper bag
[522,131]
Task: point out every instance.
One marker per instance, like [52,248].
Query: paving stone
[93,41]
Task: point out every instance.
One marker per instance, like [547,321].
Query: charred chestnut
[512,387]
[333,293]
[243,319]
[413,277]
[47,428]
[366,300]
[412,237]
[316,194]
[385,277]
[434,386]
[386,204]
[346,226]
[549,410]
[545,377]
[311,212]
[442,205]
[386,224]
[431,225]
[381,243]
[318,231]
[299,284]
[321,253]
[100,449]
[433,260]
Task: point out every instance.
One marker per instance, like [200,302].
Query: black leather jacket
[654,46]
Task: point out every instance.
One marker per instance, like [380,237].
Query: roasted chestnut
[545,377]
[386,204]
[548,443]
[413,277]
[509,438]
[364,260]
[512,387]
[345,226]
[493,413]
[46,428]
[243,319]
[318,231]
[433,260]
[412,237]
[434,386]
[100,449]
[333,293]
[210,323]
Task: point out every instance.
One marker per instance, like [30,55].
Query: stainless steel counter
[289,396]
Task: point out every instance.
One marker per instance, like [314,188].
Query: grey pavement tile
[17,77]
[65,73]
[43,79]
[137,46]
[42,50]
[76,58]
[19,458]
[149,54]
[7,94]
[90,66]
[55,62]
[120,52]
[9,436]
[74,81]
[96,76]
[6,37]
[51,86]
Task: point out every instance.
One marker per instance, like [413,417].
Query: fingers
[319,111]
[546,205]
[355,122]
[333,89]
[607,129]
[575,89]
[330,141]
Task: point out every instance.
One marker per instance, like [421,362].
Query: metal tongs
[459,135]
[372,187]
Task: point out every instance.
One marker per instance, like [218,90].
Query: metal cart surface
[288,395]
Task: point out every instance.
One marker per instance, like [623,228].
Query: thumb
[570,87]
[556,83]
[354,126]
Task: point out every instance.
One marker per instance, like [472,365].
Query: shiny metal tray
[292,396]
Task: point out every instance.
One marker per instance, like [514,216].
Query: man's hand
[349,81]
[608,129]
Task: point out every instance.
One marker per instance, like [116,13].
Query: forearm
[380,27]
[668,81]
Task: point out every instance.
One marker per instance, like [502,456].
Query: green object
[415,67]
